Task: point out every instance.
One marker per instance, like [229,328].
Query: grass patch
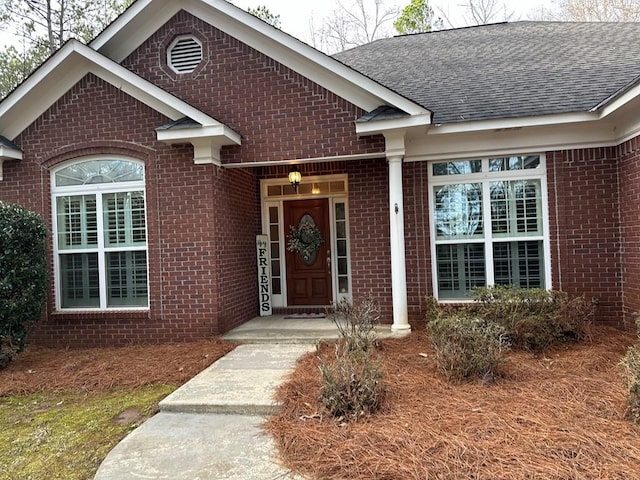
[63,435]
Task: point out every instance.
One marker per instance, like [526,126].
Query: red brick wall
[202,219]
[236,222]
[189,279]
[279,114]
[630,227]
[584,230]
[368,224]
[417,243]
[369,233]
[585,227]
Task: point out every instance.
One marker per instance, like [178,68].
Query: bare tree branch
[598,10]
[351,24]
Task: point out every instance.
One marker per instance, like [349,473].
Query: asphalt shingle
[505,70]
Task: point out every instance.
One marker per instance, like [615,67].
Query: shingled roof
[505,70]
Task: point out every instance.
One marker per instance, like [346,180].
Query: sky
[295,15]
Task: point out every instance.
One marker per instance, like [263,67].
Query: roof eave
[8,153]
[512,123]
[206,141]
[376,127]
[68,66]
[622,97]
[137,24]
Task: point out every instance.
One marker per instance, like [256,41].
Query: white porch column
[395,154]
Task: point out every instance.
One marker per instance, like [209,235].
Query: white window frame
[280,301]
[485,177]
[98,190]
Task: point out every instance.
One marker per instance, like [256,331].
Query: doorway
[309,270]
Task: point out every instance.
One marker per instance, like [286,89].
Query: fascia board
[144,91]
[619,101]
[461,145]
[223,134]
[300,57]
[510,123]
[68,66]
[39,91]
[135,25]
[375,127]
[7,153]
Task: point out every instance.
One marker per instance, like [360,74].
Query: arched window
[100,233]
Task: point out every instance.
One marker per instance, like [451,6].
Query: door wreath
[305,239]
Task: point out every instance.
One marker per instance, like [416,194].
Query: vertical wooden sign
[264,275]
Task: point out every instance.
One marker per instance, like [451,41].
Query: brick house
[431,163]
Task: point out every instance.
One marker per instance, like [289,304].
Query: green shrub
[533,318]
[352,381]
[23,277]
[467,347]
[630,370]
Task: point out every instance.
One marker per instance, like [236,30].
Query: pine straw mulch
[558,416]
[100,369]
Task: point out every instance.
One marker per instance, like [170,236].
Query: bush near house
[534,319]
[23,277]
[469,340]
[630,370]
[352,382]
[467,347]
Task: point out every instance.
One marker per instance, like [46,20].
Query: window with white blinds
[101,235]
[488,224]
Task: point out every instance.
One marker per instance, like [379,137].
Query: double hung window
[489,224]
[100,235]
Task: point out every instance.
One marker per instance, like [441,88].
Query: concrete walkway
[209,428]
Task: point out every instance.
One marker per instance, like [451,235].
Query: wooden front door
[309,279]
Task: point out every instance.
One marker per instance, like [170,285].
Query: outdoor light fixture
[294,178]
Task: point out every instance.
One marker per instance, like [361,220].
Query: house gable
[74,61]
[281,115]
[141,20]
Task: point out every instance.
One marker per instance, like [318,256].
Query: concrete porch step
[278,329]
[242,382]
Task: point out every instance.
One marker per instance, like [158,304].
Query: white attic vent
[184,54]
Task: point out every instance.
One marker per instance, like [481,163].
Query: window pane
[458,211]
[277,287]
[99,171]
[342,266]
[514,163]
[77,222]
[516,208]
[457,168]
[460,268]
[79,280]
[124,219]
[337,187]
[127,279]
[519,264]
[342,248]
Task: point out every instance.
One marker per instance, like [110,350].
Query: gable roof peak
[144,17]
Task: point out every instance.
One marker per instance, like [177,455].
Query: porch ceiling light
[294,178]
